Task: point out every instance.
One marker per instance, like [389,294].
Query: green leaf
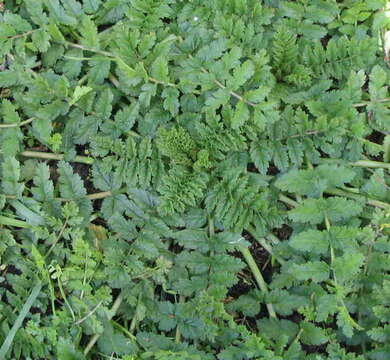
[100,69]
[195,239]
[312,241]
[326,305]
[41,40]
[89,34]
[313,182]
[66,350]
[28,210]
[132,76]
[91,6]
[348,266]
[314,211]
[78,93]
[167,319]
[59,13]
[10,176]
[261,156]
[10,115]
[312,335]
[126,117]
[257,95]
[241,115]
[160,69]
[35,9]
[103,106]
[44,188]
[114,342]
[9,78]
[71,185]
[312,270]
[248,304]
[274,328]
[171,102]
[241,75]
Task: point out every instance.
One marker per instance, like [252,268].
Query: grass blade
[19,320]
[13,222]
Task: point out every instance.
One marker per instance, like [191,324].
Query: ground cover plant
[194,180]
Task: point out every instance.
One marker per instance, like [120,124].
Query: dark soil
[376,137]
[272,170]
[283,233]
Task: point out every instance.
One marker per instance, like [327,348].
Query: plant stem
[113,311]
[386,149]
[25,122]
[22,35]
[178,334]
[296,339]
[232,93]
[258,277]
[19,320]
[371,164]
[65,299]
[95,196]
[57,238]
[362,104]
[332,259]
[288,201]
[376,203]
[78,322]
[99,195]
[114,80]
[264,243]
[117,59]
[211,226]
[86,48]
[51,156]
[13,222]
[124,330]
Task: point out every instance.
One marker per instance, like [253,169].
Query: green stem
[362,104]
[78,322]
[332,259]
[117,59]
[386,149]
[178,334]
[123,329]
[25,122]
[52,296]
[223,87]
[371,164]
[359,197]
[350,189]
[113,311]
[27,33]
[86,48]
[361,163]
[273,238]
[65,299]
[14,222]
[51,156]
[288,201]
[100,195]
[296,338]
[258,277]
[57,238]
[211,226]
[19,320]
[264,243]
[95,196]
[114,80]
